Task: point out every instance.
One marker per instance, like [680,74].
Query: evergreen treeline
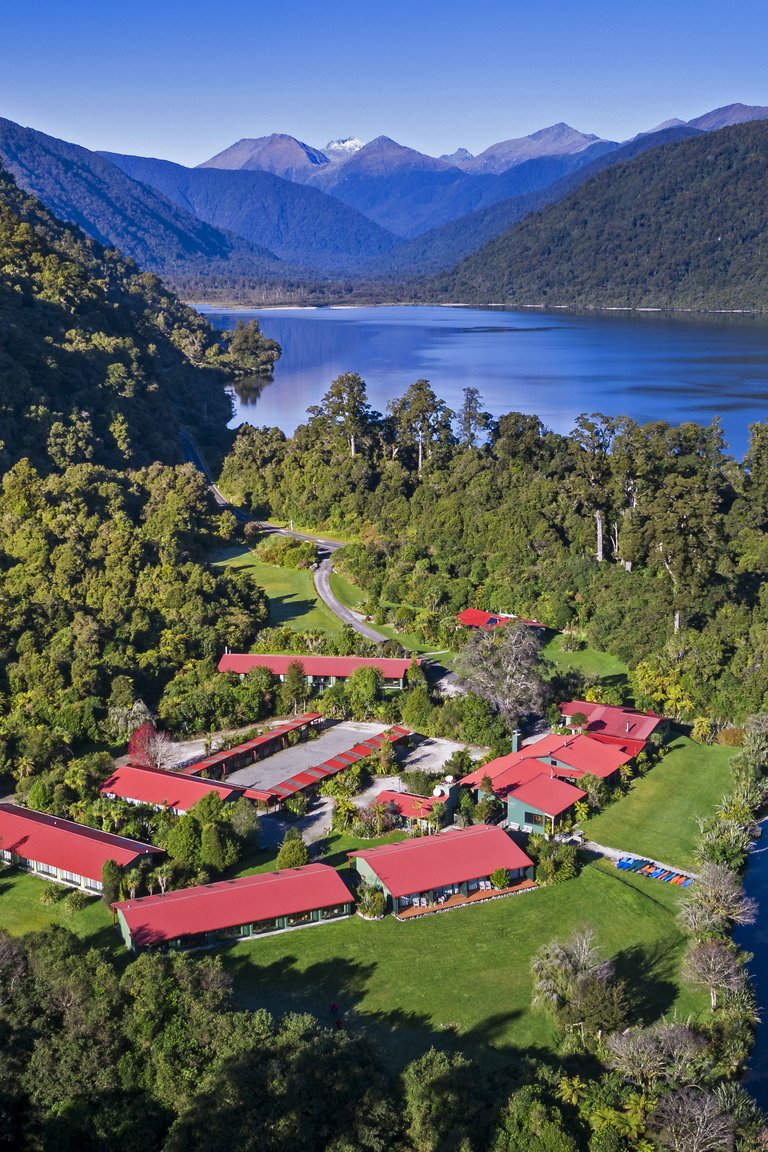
[679,227]
[645,540]
[99,362]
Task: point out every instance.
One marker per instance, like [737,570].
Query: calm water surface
[554,365]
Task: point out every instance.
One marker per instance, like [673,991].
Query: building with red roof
[220,764]
[431,871]
[232,909]
[414,810]
[539,804]
[542,767]
[158,789]
[320,671]
[614,723]
[63,850]
[477,618]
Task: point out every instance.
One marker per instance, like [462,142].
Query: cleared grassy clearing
[293,600]
[657,817]
[466,974]
[589,661]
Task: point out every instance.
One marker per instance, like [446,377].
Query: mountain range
[681,226]
[274,210]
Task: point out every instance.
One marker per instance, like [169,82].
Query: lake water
[754,938]
[556,365]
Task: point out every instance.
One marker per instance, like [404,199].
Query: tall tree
[471,419]
[506,668]
[421,419]
[345,407]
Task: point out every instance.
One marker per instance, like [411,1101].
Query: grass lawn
[337,846]
[589,661]
[292,596]
[22,912]
[343,589]
[465,975]
[352,597]
[657,817]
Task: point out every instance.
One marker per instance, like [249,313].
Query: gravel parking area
[283,765]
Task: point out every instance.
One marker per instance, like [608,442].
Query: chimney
[516,740]
[629,726]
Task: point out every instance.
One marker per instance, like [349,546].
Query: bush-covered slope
[297,223]
[82,187]
[682,226]
[98,362]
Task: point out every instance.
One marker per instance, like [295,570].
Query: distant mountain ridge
[84,188]
[300,224]
[681,226]
[275,215]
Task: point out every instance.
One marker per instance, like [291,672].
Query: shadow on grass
[646,971]
[286,609]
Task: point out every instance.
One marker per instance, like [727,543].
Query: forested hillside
[98,361]
[301,225]
[102,594]
[83,188]
[679,227]
[647,541]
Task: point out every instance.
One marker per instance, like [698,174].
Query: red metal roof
[172,789]
[448,858]
[45,839]
[609,720]
[548,794]
[408,804]
[240,663]
[230,903]
[580,753]
[502,764]
[477,618]
[226,754]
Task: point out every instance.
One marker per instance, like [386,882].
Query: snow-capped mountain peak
[342,149]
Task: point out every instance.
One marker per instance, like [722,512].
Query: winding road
[325,548]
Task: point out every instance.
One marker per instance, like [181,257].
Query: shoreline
[205,306]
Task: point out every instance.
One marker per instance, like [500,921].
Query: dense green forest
[679,227]
[645,540]
[110,610]
[98,361]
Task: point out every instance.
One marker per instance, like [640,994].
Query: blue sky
[183,80]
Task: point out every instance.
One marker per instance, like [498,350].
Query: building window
[536,818]
[339,910]
[5,855]
[71,877]
[45,869]
[298,918]
[264,926]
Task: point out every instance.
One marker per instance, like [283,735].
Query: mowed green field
[293,600]
[657,817]
[464,976]
[458,977]
[21,910]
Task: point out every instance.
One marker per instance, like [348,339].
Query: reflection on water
[650,367]
[248,390]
